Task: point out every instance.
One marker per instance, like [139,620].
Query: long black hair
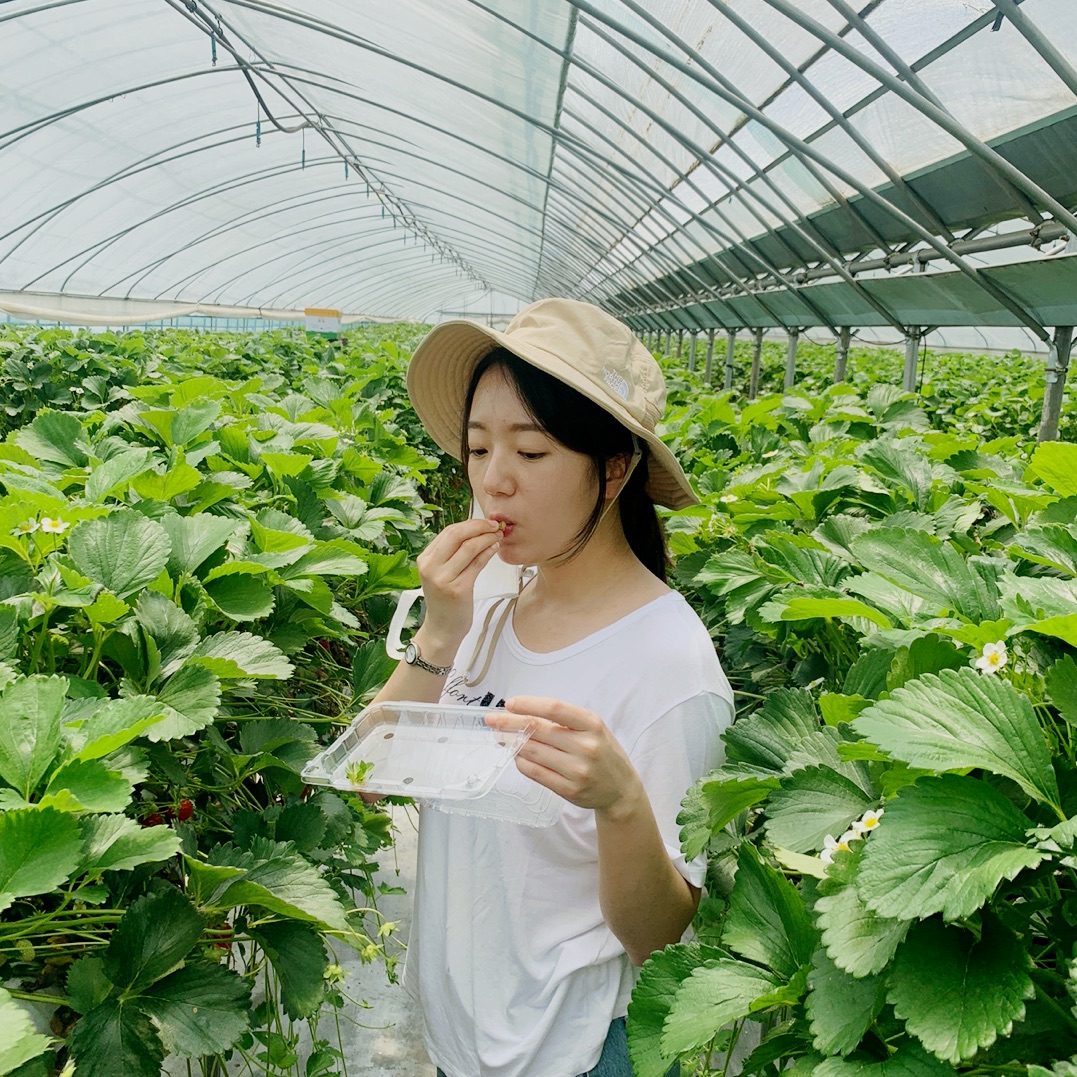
[583,427]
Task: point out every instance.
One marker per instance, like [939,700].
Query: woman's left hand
[572,752]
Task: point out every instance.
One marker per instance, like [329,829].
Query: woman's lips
[507,526]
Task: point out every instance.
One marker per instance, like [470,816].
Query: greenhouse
[234,235]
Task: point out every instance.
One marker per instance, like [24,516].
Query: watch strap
[414,658]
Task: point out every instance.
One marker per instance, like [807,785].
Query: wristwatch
[413,658]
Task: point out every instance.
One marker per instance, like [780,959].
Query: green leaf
[242,598]
[962,719]
[1055,463]
[206,882]
[87,984]
[867,675]
[770,736]
[840,1008]
[283,464]
[241,654]
[930,568]
[371,668]
[298,955]
[812,803]
[151,940]
[334,558]
[856,939]
[201,1009]
[39,849]
[125,551]
[116,843]
[929,654]
[165,485]
[194,538]
[1054,545]
[767,920]
[944,846]
[113,724]
[651,1001]
[30,712]
[174,632]
[94,787]
[387,572]
[281,880]
[793,604]
[839,709]
[909,1060]
[116,1039]
[1062,688]
[715,801]
[54,436]
[121,468]
[19,1042]
[958,993]
[714,994]
[191,698]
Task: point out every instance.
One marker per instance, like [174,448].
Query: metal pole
[791,358]
[730,345]
[757,356]
[1058,361]
[680,344]
[912,345]
[665,346]
[708,366]
[693,339]
[841,358]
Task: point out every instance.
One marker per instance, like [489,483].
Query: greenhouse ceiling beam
[566,63]
[332,31]
[190,8]
[1043,45]
[354,156]
[804,149]
[1031,193]
[795,75]
[662,197]
[699,151]
[807,229]
[968,31]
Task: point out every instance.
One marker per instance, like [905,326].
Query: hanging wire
[923,362]
[303,151]
[213,47]
[258,124]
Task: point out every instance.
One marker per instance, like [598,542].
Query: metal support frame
[693,340]
[1058,361]
[791,359]
[730,350]
[912,348]
[757,359]
[708,367]
[680,344]
[841,355]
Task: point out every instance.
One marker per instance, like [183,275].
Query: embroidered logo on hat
[616,382]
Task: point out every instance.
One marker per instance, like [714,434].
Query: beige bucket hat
[577,343]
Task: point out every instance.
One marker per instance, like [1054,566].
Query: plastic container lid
[444,756]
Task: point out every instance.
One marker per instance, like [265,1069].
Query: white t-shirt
[517,973]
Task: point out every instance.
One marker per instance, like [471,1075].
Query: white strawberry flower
[832,845]
[728,499]
[53,527]
[27,527]
[868,821]
[993,657]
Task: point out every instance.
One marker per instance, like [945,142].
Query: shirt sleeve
[671,754]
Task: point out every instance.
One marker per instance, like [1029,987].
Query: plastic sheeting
[398,159]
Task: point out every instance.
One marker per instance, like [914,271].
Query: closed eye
[532,455]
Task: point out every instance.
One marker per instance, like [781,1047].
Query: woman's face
[543,492]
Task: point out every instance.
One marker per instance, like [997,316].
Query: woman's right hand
[448,568]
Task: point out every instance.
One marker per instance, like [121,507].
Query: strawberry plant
[194,573]
[891,838]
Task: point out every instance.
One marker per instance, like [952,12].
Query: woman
[525,939]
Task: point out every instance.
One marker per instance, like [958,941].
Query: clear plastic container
[444,756]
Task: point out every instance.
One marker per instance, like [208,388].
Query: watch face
[411,652]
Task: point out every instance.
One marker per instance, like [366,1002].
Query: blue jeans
[614,1060]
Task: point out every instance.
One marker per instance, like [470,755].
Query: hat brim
[440,372]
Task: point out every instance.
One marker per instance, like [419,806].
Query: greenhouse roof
[684,163]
